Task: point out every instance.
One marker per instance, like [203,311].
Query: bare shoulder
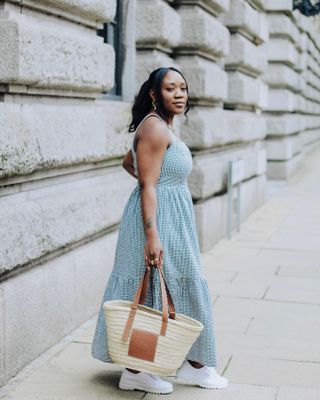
[154,133]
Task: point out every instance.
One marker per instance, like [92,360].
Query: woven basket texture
[171,348]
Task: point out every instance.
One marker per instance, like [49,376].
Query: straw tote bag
[145,339]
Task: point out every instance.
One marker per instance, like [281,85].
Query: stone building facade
[253,67]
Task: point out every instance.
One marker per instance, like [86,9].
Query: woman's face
[174,92]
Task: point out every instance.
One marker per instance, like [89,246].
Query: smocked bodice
[176,165]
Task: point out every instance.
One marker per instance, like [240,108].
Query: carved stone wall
[62,190]
[293,76]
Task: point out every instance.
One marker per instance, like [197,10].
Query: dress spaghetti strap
[147,116]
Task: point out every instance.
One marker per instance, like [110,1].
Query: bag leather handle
[140,298]
[172,311]
[143,295]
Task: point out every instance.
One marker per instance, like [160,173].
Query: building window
[112,34]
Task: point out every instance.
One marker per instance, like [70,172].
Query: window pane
[111,34]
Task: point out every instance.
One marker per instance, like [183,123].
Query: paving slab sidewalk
[265,284]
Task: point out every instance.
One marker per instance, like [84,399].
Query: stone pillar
[292,75]
[223,66]
[309,67]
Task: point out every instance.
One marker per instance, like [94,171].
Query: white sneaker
[144,381]
[205,377]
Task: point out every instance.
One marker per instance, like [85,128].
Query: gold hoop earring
[154,105]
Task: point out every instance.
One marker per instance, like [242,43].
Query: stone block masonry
[41,55]
[293,79]
[59,171]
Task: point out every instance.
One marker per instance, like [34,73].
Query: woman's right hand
[153,250]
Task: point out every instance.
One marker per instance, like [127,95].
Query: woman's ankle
[195,364]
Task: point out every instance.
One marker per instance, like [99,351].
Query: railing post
[235,175]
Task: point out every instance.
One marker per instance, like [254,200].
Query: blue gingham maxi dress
[181,257]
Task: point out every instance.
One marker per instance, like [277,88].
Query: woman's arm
[128,164]
[152,144]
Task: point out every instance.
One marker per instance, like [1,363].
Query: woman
[158,226]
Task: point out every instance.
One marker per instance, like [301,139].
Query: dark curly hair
[143,104]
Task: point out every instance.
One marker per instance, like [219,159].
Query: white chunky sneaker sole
[214,387]
[145,382]
[129,387]
[203,386]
